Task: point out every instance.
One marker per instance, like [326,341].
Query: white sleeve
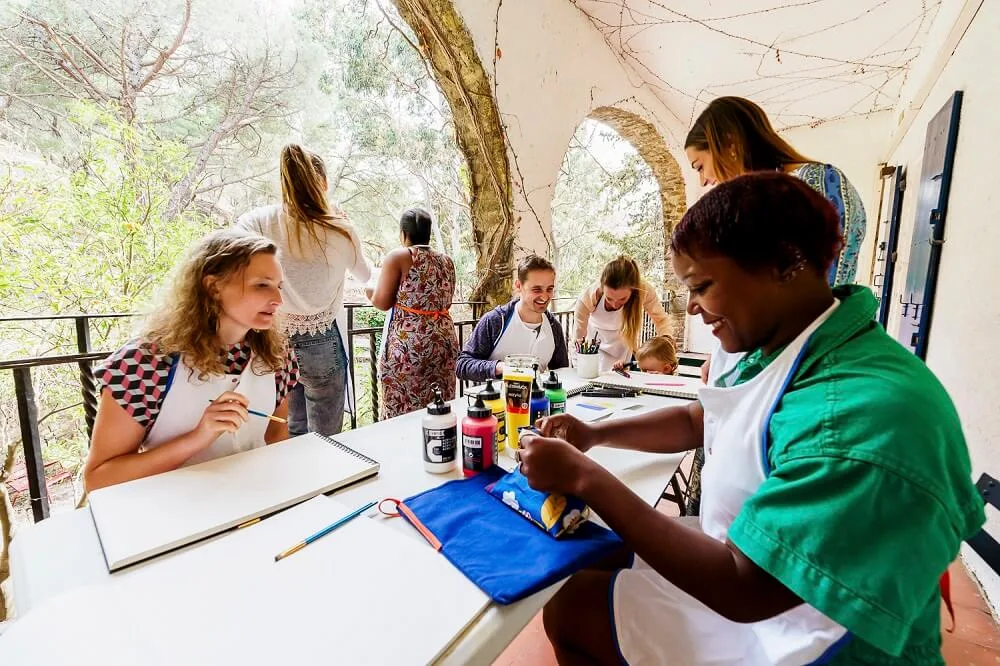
[360,269]
[249,222]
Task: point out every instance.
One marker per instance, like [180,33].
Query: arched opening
[619,191]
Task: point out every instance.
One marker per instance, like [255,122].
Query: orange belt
[426,313]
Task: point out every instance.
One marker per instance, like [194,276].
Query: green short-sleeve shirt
[870,492]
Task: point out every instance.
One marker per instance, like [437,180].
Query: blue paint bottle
[539,406]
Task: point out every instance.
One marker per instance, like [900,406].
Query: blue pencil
[266,416]
[323,532]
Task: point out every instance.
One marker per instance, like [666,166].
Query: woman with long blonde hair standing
[182,391]
[318,245]
[612,308]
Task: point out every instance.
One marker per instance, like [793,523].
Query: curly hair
[187,321]
[762,220]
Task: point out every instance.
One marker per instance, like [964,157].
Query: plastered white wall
[966,320]
[545,89]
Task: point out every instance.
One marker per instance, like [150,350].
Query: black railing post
[349,336]
[87,384]
[373,374]
[461,345]
[31,442]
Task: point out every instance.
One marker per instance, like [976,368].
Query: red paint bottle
[479,439]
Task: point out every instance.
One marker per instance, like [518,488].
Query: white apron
[186,400]
[656,622]
[608,327]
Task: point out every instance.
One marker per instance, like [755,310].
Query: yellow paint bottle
[517,378]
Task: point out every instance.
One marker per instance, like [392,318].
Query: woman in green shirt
[836,487]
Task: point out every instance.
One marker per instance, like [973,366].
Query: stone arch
[448,48]
[650,145]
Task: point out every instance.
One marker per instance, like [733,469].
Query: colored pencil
[266,416]
[323,532]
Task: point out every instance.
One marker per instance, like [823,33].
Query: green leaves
[606,203]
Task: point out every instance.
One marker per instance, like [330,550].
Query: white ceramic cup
[588,365]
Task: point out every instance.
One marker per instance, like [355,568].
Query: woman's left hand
[553,465]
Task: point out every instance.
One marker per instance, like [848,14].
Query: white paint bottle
[440,436]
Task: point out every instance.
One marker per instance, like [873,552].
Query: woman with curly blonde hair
[183,391]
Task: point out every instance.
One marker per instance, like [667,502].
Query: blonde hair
[623,273]
[662,348]
[740,138]
[303,194]
[188,321]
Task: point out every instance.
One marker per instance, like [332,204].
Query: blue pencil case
[506,556]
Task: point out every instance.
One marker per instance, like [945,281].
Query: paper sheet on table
[589,410]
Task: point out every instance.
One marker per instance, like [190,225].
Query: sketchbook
[144,518]
[671,386]
[367,593]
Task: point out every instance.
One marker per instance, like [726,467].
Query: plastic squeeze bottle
[440,436]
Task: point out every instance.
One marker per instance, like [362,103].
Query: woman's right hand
[225,414]
[619,365]
[564,426]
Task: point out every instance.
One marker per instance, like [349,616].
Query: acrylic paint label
[472,453]
[557,407]
[440,444]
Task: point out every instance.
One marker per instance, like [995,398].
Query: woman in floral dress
[419,345]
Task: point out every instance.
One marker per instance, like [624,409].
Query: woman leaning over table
[181,392]
[733,136]
[837,483]
[612,307]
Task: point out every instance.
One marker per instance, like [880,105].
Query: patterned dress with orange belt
[420,346]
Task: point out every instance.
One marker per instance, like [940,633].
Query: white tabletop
[63,552]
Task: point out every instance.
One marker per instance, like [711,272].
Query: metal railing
[365,339]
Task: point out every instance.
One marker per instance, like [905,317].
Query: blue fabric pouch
[506,556]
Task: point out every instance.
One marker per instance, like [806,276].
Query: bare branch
[165,55]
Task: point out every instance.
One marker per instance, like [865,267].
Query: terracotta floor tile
[530,648]
[961,653]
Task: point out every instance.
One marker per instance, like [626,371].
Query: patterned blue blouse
[833,184]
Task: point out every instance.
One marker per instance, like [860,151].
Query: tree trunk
[446,44]
[6,522]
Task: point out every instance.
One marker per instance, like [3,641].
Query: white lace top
[314,286]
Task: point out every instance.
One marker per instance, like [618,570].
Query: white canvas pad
[363,594]
[146,517]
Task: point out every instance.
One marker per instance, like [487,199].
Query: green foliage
[606,203]
[111,164]
[92,239]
